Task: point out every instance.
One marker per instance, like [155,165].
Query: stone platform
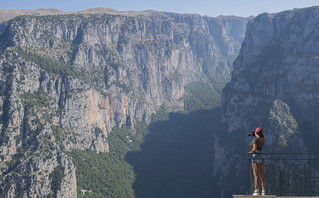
[251,196]
[267,196]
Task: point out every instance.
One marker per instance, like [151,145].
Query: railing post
[281,184]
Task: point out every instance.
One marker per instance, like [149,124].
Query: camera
[251,133]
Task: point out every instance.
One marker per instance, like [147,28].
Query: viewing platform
[268,196]
[288,175]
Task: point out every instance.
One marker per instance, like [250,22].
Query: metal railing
[288,174]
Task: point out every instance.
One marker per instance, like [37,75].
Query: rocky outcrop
[67,80]
[285,135]
[274,85]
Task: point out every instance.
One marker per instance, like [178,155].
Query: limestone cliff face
[67,80]
[277,62]
[274,85]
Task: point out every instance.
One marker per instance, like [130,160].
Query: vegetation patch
[108,174]
[50,65]
[37,100]
[199,95]
[175,76]
[56,177]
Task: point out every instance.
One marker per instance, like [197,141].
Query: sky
[212,8]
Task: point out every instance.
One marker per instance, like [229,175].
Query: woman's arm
[253,149]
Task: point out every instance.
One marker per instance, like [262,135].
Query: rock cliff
[67,80]
[274,85]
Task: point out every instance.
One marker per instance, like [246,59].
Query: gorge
[151,104]
[81,88]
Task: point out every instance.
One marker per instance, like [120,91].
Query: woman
[258,162]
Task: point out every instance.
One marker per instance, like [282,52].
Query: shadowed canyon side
[274,85]
[176,157]
[67,80]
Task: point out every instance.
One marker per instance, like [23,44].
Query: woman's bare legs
[262,170]
[256,171]
[259,175]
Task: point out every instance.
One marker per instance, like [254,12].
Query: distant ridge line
[6,15]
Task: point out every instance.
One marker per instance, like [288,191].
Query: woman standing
[258,162]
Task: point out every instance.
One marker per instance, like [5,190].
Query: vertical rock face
[67,80]
[274,85]
[277,62]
